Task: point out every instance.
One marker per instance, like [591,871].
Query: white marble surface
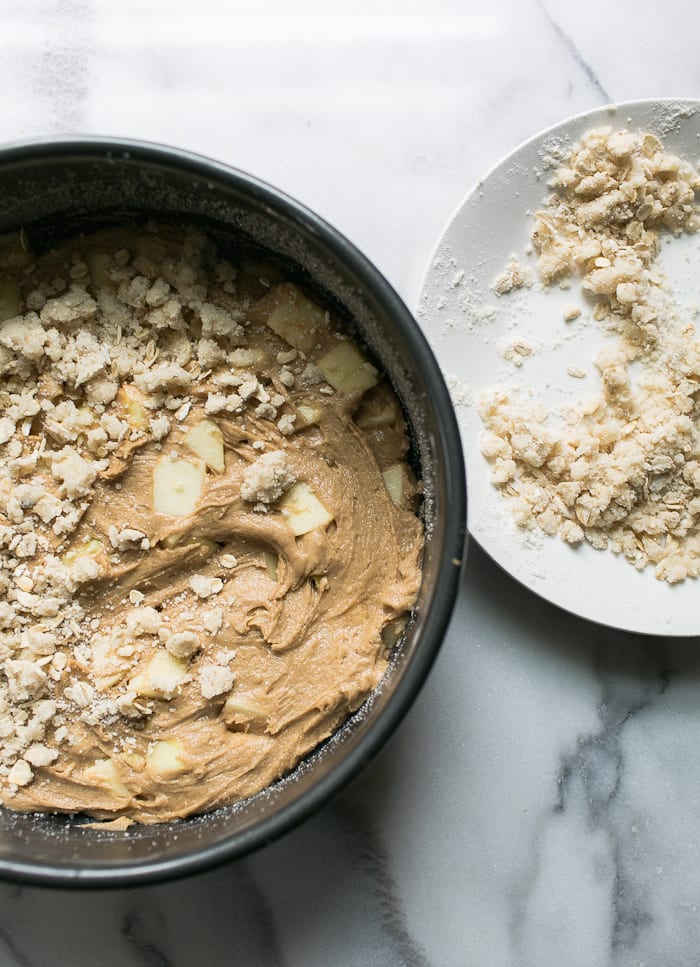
[539,806]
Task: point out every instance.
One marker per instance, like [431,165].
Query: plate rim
[592,116]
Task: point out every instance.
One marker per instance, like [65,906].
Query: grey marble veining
[539,805]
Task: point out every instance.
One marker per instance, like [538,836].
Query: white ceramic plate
[468,325]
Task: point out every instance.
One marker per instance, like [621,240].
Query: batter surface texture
[208,536]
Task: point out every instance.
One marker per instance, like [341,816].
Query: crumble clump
[267,478]
[516,351]
[622,470]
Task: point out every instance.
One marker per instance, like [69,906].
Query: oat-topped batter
[208,538]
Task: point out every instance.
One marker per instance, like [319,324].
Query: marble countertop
[539,805]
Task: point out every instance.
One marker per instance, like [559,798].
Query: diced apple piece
[346,370]
[238,711]
[309,415]
[104,773]
[270,564]
[302,509]
[392,632]
[207,441]
[99,264]
[164,758]
[10,299]
[177,486]
[376,419]
[91,548]
[292,316]
[161,677]
[132,400]
[394,482]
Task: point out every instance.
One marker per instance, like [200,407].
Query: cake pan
[56,189]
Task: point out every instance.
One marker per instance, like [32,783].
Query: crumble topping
[179,621]
[621,470]
[267,478]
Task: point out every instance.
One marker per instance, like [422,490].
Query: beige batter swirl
[209,538]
